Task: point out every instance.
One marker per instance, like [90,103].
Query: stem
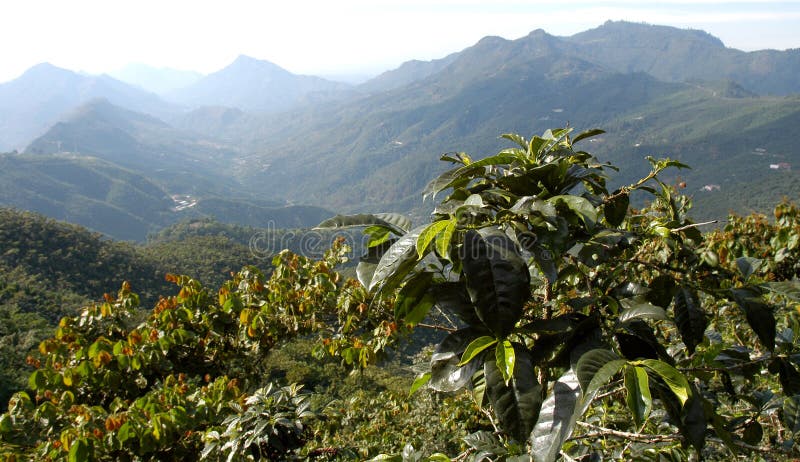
[603,431]
[693,225]
[437,327]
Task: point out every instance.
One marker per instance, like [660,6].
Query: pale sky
[338,36]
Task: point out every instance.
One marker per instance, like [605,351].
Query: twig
[693,225]
[603,431]
[437,327]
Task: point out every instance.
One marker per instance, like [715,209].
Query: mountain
[182,160]
[378,151]
[672,54]
[408,72]
[33,102]
[84,190]
[258,86]
[159,80]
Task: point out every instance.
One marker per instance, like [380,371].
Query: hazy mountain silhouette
[254,85]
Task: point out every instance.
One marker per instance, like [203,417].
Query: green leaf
[520,140]
[401,222]
[377,235]
[791,413]
[748,265]
[787,289]
[498,281]
[452,297]
[78,451]
[475,347]
[789,377]
[616,209]
[505,359]
[759,315]
[662,291]
[413,301]
[398,224]
[557,418]
[37,380]
[446,374]
[580,206]
[419,382]
[638,396]
[587,134]
[126,432]
[397,261]
[428,234]
[6,425]
[589,366]
[643,311]
[443,240]
[441,182]
[689,317]
[516,403]
[753,433]
[672,377]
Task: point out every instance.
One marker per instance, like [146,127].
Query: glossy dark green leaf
[398,260]
[759,315]
[753,433]
[557,418]
[694,421]
[498,281]
[789,377]
[791,413]
[637,387]
[452,298]
[592,362]
[414,301]
[439,183]
[580,206]
[587,134]
[446,374]
[642,311]
[397,223]
[662,291]
[516,404]
[616,209]
[689,317]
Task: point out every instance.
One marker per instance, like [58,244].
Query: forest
[536,316]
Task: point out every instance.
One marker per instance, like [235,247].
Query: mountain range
[255,135]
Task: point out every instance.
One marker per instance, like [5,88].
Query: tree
[565,300]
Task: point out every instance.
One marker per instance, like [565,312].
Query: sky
[338,37]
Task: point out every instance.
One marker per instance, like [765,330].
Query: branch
[693,225]
[437,327]
[644,438]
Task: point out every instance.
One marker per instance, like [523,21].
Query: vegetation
[571,325]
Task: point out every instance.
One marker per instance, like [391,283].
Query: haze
[346,37]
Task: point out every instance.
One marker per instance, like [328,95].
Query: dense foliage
[577,325]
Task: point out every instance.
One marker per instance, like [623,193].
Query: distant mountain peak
[628,27]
